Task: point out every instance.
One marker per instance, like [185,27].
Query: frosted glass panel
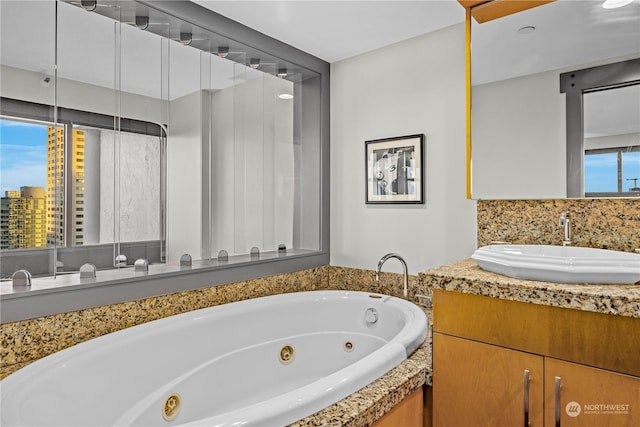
[264,161]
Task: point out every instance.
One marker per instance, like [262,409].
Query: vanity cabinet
[507,363]
[589,397]
[407,413]
[477,384]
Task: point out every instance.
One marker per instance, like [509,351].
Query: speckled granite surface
[465,276]
[595,223]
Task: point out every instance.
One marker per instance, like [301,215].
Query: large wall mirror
[519,115]
[130,133]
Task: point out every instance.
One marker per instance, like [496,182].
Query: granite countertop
[370,403]
[465,276]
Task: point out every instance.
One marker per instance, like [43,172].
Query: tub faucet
[565,222]
[405,288]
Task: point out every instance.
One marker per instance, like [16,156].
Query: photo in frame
[394,170]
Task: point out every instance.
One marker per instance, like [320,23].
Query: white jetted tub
[262,362]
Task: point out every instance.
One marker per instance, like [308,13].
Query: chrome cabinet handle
[557,396]
[526,398]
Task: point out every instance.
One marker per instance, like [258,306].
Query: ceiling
[334,30]
[568,33]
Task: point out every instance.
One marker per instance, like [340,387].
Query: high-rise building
[23,220]
[60,213]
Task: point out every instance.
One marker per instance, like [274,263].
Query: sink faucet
[565,222]
[405,288]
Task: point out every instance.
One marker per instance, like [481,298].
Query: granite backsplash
[596,223]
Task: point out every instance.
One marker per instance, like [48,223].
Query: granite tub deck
[466,277]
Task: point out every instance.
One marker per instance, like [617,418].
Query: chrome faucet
[565,222]
[405,288]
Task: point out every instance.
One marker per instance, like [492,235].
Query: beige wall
[413,87]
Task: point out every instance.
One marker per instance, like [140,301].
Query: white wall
[416,86]
[519,134]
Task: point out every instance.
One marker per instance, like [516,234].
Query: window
[603,126]
[41,209]
[612,170]
[611,141]
[23,160]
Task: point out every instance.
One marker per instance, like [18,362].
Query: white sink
[561,264]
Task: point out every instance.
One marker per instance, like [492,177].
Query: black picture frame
[394,171]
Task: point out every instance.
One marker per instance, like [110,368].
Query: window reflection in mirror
[519,118]
[612,141]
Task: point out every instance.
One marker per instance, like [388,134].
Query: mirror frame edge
[467,24]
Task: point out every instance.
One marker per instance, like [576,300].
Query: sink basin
[561,264]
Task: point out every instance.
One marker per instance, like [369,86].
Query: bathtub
[262,362]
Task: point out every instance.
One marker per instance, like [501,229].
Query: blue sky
[601,171]
[23,155]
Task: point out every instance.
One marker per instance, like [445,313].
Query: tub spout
[405,288]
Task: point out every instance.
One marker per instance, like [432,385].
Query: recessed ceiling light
[142,22]
[285,96]
[526,30]
[89,5]
[613,4]
[223,51]
[186,38]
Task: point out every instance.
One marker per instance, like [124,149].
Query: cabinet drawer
[600,340]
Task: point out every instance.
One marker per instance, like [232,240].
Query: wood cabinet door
[589,397]
[477,384]
[407,413]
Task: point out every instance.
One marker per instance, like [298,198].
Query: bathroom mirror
[173,139]
[519,118]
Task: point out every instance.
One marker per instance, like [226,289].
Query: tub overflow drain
[287,353]
[171,407]
[371,316]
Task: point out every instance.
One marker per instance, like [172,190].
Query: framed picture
[394,170]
